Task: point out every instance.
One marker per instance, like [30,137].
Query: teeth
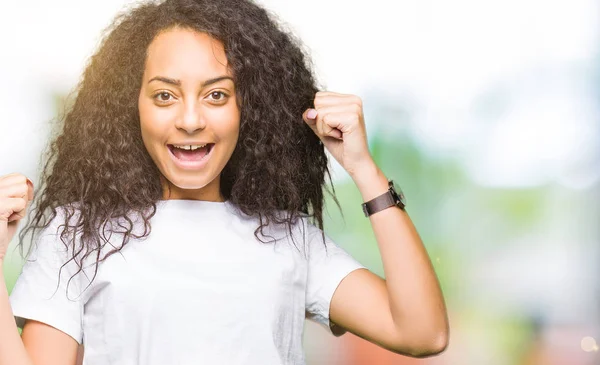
[188,147]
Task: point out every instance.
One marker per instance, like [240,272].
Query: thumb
[29,190]
[310,116]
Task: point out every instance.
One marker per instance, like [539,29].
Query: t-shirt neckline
[195,204]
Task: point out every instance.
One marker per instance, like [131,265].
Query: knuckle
[7,176]
[22,179]
[19,206]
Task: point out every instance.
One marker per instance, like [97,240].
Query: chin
[189,181]
[187,184]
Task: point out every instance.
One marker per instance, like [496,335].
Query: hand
[339,123]
[16,191]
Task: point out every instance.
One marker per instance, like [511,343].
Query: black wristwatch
[385,200]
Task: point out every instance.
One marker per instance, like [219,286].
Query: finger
[16,190]
[330,98]
[336,133]
[326,124]
[343,108]
[329,93]
[12,208]
[320,128]
[341,117]
[319,124]
[331,126]
[328,120]
[309,116]
[29,190]
[16,185]
[17,216]
[13,178]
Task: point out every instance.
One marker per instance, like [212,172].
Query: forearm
[416,301]
[12,350]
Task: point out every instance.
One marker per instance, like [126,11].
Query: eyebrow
[178,82]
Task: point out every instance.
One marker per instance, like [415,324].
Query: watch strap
[382,202]
[379,203]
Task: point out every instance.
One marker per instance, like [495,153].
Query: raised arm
[405,313]
[39,343]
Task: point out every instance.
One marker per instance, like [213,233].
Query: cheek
[145,116]
[147,129]
[229,124]
[153,123]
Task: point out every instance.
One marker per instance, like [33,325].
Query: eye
[163,97]
[215,95]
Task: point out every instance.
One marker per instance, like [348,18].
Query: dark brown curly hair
[97,163]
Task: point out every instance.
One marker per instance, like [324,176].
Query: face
[187,97]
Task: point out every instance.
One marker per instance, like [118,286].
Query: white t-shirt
[201,289]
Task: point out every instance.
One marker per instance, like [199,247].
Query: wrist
[371,182]
[364,171]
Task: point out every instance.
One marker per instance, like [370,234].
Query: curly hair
[98,163]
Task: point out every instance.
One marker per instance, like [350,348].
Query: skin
[186,111]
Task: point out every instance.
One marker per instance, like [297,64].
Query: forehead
[183,53]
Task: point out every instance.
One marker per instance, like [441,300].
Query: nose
[191,119]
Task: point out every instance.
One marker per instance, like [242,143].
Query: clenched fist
[16,191]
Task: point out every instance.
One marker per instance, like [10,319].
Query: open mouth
[197,154]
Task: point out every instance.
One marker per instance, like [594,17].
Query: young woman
[180,215]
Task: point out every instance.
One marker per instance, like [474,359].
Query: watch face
[397,195]
[402,199]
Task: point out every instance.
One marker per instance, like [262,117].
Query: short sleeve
[326,269]
[37,293]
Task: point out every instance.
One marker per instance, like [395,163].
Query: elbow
[433,347]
